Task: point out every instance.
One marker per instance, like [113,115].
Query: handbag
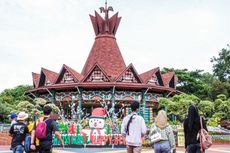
[156,136]
[205,138]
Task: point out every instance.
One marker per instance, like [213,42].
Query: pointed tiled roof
[135,73]
[106,53]
[167,77]
[36,78]
[105,50]
[148,74]
[77,75]
[104,61]
[91,70]
[49,75]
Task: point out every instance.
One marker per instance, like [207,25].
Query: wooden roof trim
[135,73]
[91,70]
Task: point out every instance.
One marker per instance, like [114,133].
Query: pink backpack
[205,138]
[40,130]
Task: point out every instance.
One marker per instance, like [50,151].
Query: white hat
[22,116]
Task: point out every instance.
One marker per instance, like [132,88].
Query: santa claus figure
[97,124]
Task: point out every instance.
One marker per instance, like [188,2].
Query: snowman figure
[97,124]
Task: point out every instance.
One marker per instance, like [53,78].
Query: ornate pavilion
[104,79]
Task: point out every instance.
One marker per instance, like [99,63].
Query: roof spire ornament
[106,11]
[106,25]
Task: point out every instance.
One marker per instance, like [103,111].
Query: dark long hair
[193,116]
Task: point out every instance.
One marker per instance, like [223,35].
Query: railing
[4,127]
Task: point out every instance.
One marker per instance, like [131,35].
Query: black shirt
[51,126]
[18,131]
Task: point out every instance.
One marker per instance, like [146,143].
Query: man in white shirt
[133,128]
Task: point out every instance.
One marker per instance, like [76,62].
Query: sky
[167,33]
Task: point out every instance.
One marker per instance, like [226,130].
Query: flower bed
[221,139]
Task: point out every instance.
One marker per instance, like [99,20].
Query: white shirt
[137,129]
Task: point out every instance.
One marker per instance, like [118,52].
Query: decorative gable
[47,77]
[152,77]
[97,75]
[35,79]
[68,75]
[129,75]
[170,79]
[153,80]
[156,79]
[47,82]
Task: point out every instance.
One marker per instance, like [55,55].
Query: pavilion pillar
[79,105]
[143,98]
[113,115]
[52,98]
[113,104]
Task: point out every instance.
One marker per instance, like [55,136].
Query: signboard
[180,137]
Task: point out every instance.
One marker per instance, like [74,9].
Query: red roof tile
[134,72]
[148,74]
[167,78]
[92,69]
[105,50]
[49,75]
[106,53]
[36,78]
[77,75]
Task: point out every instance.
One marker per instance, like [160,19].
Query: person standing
[45,145]
[13,117]
[166,141]
[191,130]
[133,128]
[18,131]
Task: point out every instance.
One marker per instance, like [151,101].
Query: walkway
[213,149]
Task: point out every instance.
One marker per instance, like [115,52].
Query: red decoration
[98,112]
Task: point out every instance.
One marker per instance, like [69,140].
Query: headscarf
[161,119]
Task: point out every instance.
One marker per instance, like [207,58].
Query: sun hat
[22,116]
[13,115]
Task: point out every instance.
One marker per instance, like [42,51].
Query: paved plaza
[213,149]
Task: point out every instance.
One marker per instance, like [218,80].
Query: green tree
[193,82]
[178,105]
[222,107]
[15,95]
[221,65]
[9,100]
[219,87]
[206,108]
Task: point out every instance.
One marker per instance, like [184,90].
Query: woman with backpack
[192,127]
[161,134]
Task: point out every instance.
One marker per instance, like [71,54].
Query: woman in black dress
[191,130]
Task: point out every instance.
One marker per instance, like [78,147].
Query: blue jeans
[162,147]
[194,148]
[18,149]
